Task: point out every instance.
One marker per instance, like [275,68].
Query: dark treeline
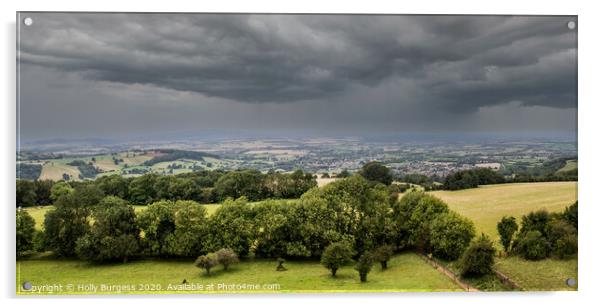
[201,186]
[472,178]
[352,210]
[29,171]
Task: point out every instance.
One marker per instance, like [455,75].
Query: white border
[589,54]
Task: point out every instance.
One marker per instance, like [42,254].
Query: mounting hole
[28,21]
[27,285]
[571,25]
[571,282]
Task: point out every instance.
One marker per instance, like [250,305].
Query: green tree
[114,185]
[235,184]
[141,189]
[59,189]
[336,256]
[376,171]
[26,193]
[226,257]
[450,235]
[65,224]
[383,254]
[364,265]
[43,189]
[571,215]
[88,195]
[25,232]
[478,259]
[420,221]
[562,237]
[344,174]
[114,235]
[506,228]
[275,227]
[206,262]
[232,226]
[190,229]
[532,245]
[158,224]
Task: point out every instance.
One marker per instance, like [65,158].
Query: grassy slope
[486,205]
[569,166]
[547,274]
[407,272]
[55,171]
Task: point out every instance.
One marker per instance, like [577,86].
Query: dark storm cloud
[453,63]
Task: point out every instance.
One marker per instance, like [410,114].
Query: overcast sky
[129,75]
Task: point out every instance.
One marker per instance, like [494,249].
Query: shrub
[451,235]
[383,254]
[532,245]
[206,262]
[226,257]
[570,214]
[562,237]
[336,255]
[364,265]
[565,246]
[506,228]
[478,259]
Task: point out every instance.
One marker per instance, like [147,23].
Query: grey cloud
[288,58]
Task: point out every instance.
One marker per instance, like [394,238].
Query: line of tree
[350,210]
[202,186]
[472,178]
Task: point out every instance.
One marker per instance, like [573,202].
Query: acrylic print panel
[278,153]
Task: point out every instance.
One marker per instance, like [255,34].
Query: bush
[570,214]
[532,245]
[226,257]
[364,265]
[565,246]
[562,237]
[450,235]
[506,228]
[383,254]
[206,262]
[336,255]
[478,259]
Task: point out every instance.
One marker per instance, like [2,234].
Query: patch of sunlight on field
[106,164]
[55,171]
[569,166]
[487,204]
[547,274]
[131,160]
[407,272]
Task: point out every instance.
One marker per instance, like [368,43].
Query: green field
[407,272]
[569,166]
[544,275]
[486,205]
